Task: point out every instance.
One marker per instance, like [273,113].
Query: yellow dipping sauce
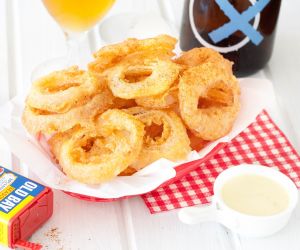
[255,195]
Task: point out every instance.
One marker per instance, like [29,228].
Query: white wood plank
[82,225]
[4,92]
[14,59]
[284,65]
[280,114]
[5,157]
[165,231]
[40,37]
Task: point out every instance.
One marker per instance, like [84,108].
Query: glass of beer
[76,18]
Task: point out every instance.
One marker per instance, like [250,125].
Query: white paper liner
[254,97]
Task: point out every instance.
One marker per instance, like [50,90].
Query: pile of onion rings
[95,154]
[137,102]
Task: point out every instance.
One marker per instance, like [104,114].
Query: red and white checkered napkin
[261,143]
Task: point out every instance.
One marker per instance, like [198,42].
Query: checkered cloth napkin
[261,143]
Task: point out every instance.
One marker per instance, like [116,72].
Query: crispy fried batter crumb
[53,234]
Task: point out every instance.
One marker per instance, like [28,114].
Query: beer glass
[75,17]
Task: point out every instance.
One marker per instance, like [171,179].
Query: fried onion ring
[37,121]
[123,103]
[197,56]
[128,171]
[61,90]
[165,136]
[97,154]
[159,76]
[143,57]
[110,55]
[161,101]
[208,121]
[196,143]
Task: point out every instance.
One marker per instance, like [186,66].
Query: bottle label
[237,22]
[16,191]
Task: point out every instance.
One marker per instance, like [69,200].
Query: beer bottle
[242,30]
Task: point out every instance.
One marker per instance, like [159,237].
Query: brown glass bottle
[210,15]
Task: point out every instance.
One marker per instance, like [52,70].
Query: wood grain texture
[82,225]
[284,66]
[40,38]
[4,86]
[5,156]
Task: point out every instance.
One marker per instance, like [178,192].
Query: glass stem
[78,52]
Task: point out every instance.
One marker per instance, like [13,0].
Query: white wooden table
[28,36]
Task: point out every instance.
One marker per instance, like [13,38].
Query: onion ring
[208,122]
[159,76]
[143,57]
[196,143]
[197,56]
[97,154]
[37,121]
[128,171]
[61,90]
[161,101]
[168,139]
[123,103]
[110,55]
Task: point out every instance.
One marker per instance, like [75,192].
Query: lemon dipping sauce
[254,194]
